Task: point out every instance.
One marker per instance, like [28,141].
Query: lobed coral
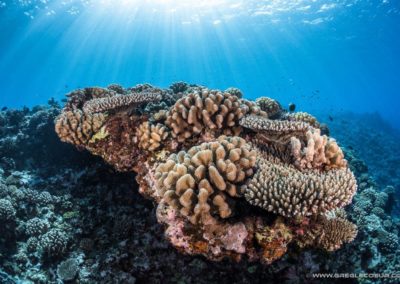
[151,136]
[317,150]
[79,128]
[7,210]
[199,182]
[36,226]
[207,157]
[54,242]
[211,111]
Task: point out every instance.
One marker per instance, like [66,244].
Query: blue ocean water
[325,56]
[69,217]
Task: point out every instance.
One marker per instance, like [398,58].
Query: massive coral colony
[231,177]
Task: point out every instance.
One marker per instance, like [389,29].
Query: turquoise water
[325,56]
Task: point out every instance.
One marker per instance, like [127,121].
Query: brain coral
[209,110]
[283,189]
[198,182]
[205,183]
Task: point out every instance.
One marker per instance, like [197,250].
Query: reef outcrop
[231,177]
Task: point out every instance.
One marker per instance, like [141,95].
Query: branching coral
[277,131]
[199,182]
[76,99]
[205,188]
[328,231]
[303,117]
[282,189]
[119,101]
[208,111]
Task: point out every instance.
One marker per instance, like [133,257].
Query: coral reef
[281,188]
[209,111]
[191,157]
[199,182]
[270,106]
[317,150]
[151,136]
[113,235]
[303,117]
[328,231]
[119,101]
[79,128]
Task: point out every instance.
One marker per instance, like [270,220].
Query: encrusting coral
[206,157]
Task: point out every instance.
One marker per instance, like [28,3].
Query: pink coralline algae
[231,178]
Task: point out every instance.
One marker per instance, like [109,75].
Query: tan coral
[199,182]
[151,136]
[277,131]
[327,231]
[211,111]
[119,101]
[303,117]
[76,99]
[270,106]
[283,189]
[78,128]
[319,151]
[299,173]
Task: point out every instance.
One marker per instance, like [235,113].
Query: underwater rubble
[70,217]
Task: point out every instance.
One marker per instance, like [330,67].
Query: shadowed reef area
[180,189]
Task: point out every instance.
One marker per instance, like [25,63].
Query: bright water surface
[325,56]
